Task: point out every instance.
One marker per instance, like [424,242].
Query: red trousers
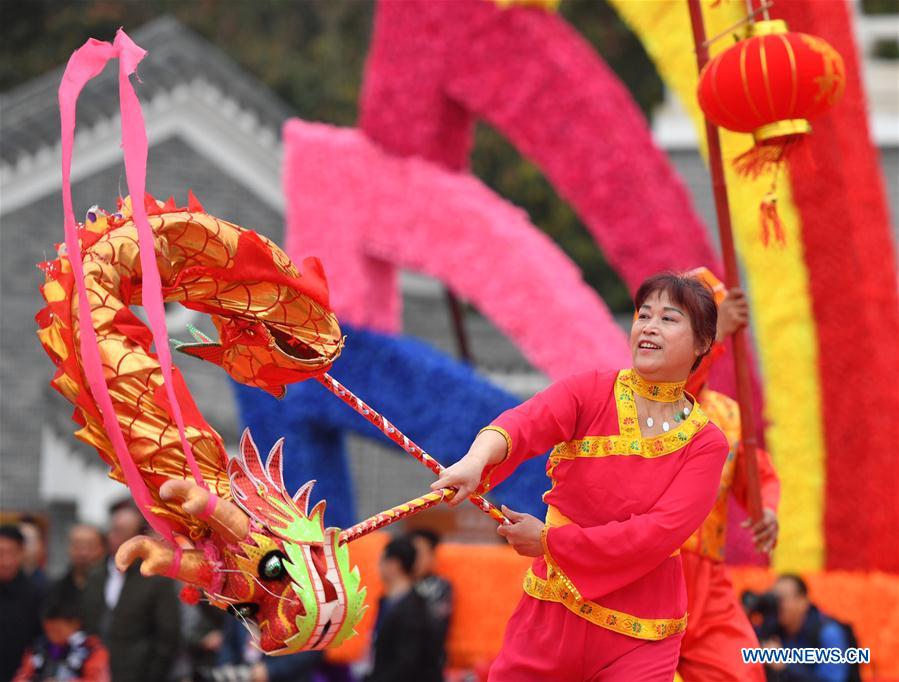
[545,642]
[717,627]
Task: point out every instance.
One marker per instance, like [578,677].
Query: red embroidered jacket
[620,505]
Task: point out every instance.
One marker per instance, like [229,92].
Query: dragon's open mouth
[292,346]
[328,605]
[244,611]
[322,635]
[321,567]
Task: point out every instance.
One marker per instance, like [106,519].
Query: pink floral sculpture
[366,213]
[436,67]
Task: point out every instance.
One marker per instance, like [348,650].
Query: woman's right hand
[465,475]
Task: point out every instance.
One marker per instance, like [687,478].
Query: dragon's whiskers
[276,596]
[254,579]
[250,626]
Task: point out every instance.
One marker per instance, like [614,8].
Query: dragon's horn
[224,517]
[301,497]
[252,461]
[273,464]
[158,558]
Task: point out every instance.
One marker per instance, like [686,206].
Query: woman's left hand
[733,313]
[523,533]
[764,532]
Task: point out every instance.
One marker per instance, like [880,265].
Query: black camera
[761,607]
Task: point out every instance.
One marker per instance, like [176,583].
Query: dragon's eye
[272,566]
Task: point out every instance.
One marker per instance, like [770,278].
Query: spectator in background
[800,625]
[35,551]
[136,617]
[202,628]
[405,644]
[436,591]
[87,547]
[240,661]
[20,602]
[65,651]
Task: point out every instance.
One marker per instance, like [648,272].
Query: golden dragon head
[268,560]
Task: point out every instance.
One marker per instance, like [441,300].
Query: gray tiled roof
[30,118]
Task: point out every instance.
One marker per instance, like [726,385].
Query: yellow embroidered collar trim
[629,440]
[665,392]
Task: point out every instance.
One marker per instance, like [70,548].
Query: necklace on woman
[678,417]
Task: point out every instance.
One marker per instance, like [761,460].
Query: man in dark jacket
[137,618]
[405,645]
[435,590]
[87,550]
[802,625]
[20,603]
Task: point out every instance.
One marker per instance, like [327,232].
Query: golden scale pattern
[187,244]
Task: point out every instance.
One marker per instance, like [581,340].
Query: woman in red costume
[635,469]
[719,628]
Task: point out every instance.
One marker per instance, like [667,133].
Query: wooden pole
[458,317]
[398,437]
[731,280]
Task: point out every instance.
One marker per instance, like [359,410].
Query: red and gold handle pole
[731,279]
[400,439]
[394,514]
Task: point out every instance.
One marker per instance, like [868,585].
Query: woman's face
[662,343]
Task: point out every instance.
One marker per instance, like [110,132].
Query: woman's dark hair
[694,296]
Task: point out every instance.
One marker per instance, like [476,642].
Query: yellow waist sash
[555,589]
[610,619]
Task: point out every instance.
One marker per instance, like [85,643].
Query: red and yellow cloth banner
[822,307]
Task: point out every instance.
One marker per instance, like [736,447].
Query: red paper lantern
[769,85]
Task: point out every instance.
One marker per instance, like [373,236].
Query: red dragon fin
[211,352]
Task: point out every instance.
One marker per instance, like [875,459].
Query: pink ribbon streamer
[175,568]
[86,63]
[209,509]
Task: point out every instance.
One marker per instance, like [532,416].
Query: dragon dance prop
[227,527]
[397,437]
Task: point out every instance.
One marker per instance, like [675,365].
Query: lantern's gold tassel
[770,220]
[761,158]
